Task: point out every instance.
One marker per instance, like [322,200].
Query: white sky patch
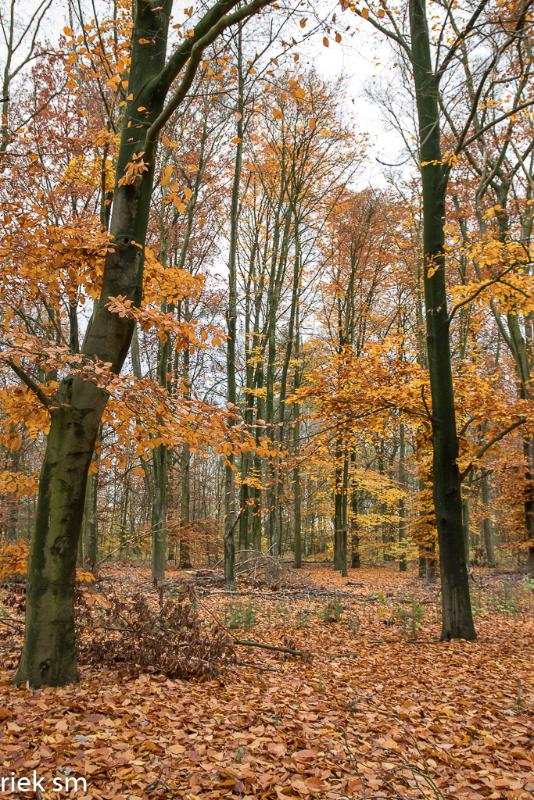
[362,57]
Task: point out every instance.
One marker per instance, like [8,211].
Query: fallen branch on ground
[265,646]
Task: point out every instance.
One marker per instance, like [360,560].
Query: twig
[265,646]
[11,621]
[247,642]
[256,666]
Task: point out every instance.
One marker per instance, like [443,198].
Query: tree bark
[467,529]
[231,327]
[90,520]
[354,510]
[297,484]
[48,655]
[487,524]
[402,505]
[160,461]
[457,619]
[185,483]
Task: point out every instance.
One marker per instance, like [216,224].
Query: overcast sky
[363,59]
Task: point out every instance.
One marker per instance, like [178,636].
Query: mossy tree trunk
[49,653]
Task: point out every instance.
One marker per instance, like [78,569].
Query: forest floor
[378,708]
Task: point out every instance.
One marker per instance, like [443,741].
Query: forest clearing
[266,411]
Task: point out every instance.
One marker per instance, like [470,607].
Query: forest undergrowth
[371,705]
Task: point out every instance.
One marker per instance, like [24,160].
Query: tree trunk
[341,509]
[431,566]
[528,449]
[297,504]
[160,462]
[48,655]
[467,531]
[457,619]
[354,508]
[297,486]
[257,508]
[345,516]
[185,515]
[90,520]
[402,505]
[160,459]
[487,524]
[520,351]
[185,494]
[421,562]
[231,327]
[338,509]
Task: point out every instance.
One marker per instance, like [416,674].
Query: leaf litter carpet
[378,708]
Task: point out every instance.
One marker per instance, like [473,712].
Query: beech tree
[48,655]
[314,366]
[430,58]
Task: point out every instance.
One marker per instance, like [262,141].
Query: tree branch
[477,292]
[461,38]
[190,53]
[489,445]
[30,383]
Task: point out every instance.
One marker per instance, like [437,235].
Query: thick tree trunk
[48,655]
[457,619]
